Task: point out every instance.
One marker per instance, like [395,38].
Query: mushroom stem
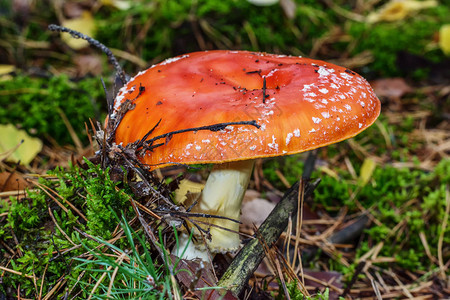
[222,196]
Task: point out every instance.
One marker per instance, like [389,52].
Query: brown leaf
[250,195]
[12,182]
[88,64]
[256,211]
[72,9]
[200,275]
[391,88]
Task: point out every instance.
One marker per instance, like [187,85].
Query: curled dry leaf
[391,88]
[12,182]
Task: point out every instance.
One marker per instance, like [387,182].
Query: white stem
[222,196]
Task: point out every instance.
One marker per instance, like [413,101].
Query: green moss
[92,192]
[35,104]
[413,198]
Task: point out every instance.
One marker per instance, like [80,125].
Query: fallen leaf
[72,9]
[256,211]
[263,2]
[12,182]
[391,88]
[198,276]
[84,24]
[88,64]
[119,4]
[396,10]
[6,69]
[366,172]
[16,145]
[444,39]
[250,194]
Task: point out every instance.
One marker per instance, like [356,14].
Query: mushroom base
[222,196]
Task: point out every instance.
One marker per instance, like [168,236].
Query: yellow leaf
[16,145]
[396,10]
[263,2]
[6,69]
[366,172]
[84,24]
[119,4]
[444,39]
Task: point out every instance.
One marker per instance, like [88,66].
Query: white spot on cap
[198,147]
[188,146]
[307,87]
[346,76]
[348,107]
[252,147]
[316,120]
[323,91]
[273,145]
[288,138]
[312,130]
[323,71]
[206,141]
[360,125]
[325,114]
[297,132]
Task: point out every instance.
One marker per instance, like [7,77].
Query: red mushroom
[298,103]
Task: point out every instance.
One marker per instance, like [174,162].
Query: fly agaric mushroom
[299,104]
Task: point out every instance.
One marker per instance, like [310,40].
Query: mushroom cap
[305,104]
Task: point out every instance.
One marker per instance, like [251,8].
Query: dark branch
[249,257]
[95,43]
[148,145]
